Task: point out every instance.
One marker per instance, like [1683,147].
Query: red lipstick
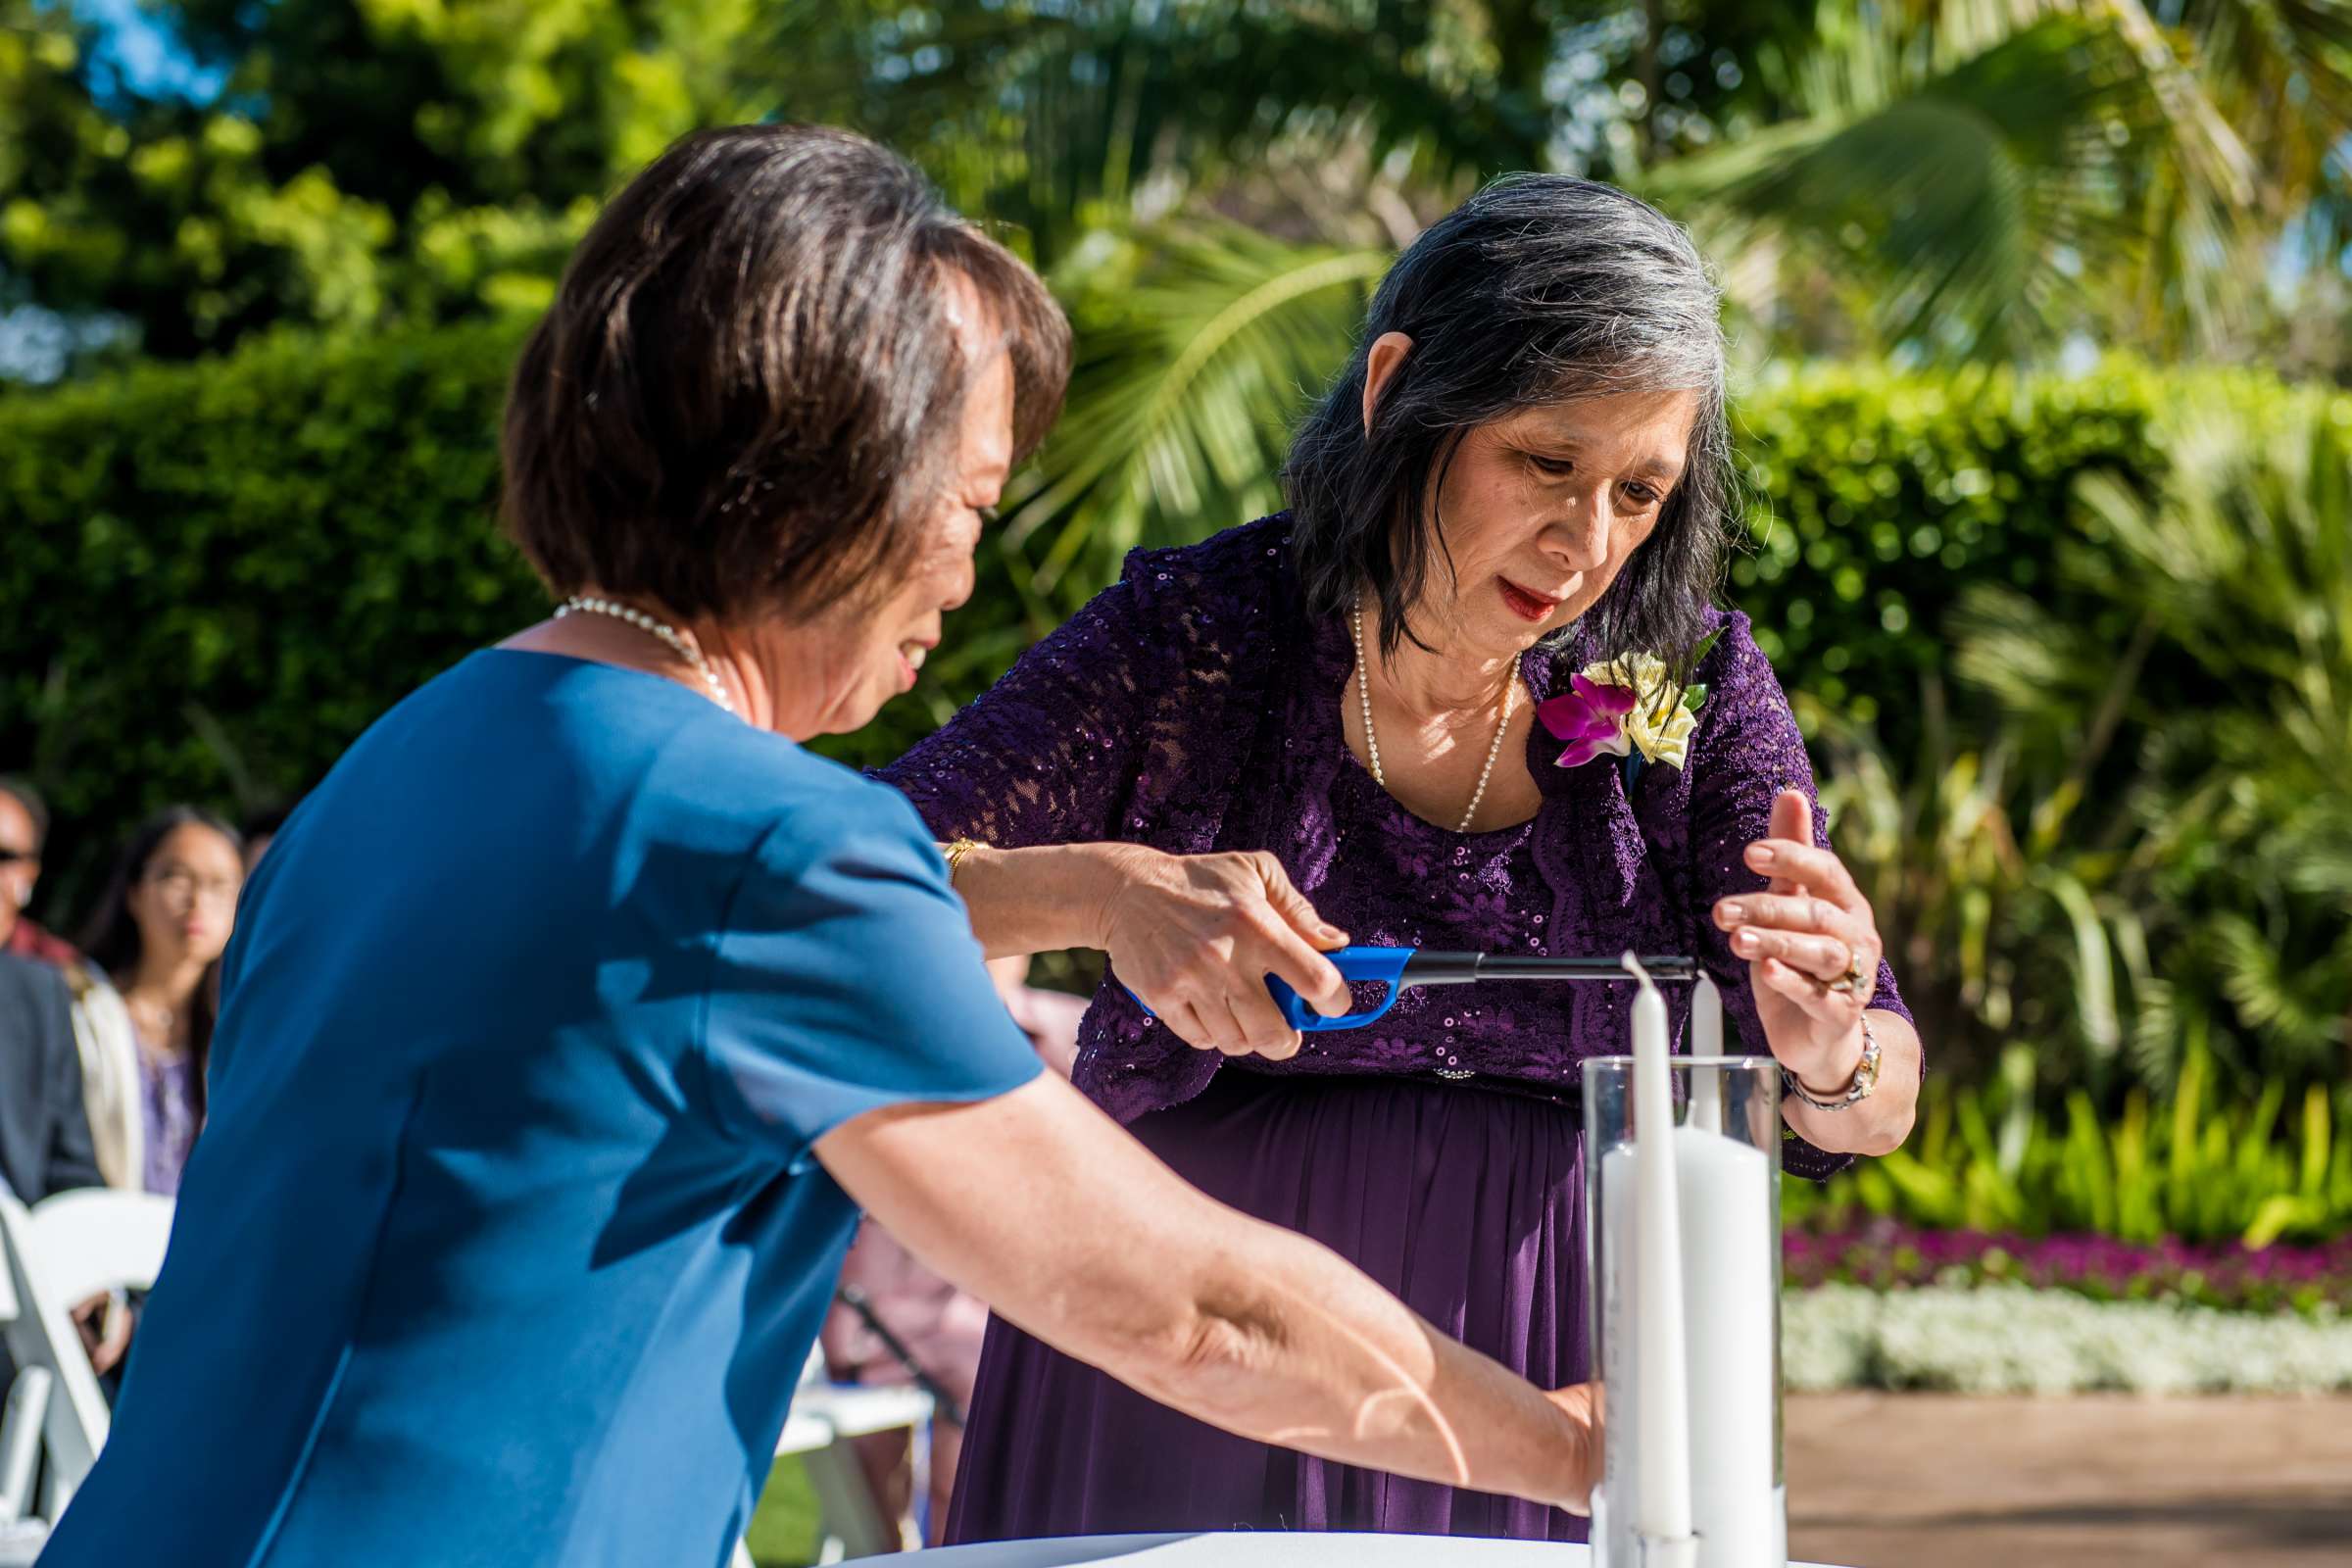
[1527,606]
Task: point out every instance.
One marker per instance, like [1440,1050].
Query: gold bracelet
[954,850]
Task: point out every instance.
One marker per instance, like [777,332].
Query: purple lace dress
[1195,706]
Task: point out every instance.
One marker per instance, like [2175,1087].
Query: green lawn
[783,1533]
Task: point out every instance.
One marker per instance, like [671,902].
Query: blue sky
[144,56]
[144,59]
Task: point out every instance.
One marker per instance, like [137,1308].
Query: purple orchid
[1589,717]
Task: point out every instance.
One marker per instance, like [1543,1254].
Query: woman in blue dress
[571,1019]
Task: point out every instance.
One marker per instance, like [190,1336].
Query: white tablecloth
[1270,1549]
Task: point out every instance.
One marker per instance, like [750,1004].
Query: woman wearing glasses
[147,995]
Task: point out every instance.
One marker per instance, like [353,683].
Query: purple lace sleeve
[1745,750]
[1045,755]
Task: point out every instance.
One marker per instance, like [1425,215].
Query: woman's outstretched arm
[1195,934]
[1044,1208]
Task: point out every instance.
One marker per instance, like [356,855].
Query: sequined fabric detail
[1195,706]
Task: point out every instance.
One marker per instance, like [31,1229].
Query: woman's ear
[1387,353]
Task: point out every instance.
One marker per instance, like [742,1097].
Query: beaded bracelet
[1857,1089]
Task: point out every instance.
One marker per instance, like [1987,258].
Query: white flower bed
[2008,1339]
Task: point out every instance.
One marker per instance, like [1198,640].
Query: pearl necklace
[661,629]
[1363,693]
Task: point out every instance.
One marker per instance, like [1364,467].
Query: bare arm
[1193,935]
[1046,1209]
[1043,899]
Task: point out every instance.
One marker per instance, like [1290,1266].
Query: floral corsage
[1630,707]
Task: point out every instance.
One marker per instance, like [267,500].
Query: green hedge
[1878,499]
[214,575]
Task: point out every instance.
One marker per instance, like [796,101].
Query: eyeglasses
[184,885]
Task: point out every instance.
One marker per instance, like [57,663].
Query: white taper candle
[1706,1040]
[1707,1018]
[1662,1495]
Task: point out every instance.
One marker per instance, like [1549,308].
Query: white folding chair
[20,1402]
[70,1248]
[854,1525]
[825,1416]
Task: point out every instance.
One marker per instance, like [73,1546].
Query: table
[1268,1548]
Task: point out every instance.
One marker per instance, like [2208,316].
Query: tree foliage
[360,163]
[1965,177]
[1972,181]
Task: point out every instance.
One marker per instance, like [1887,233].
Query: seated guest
[147,997]
[23,834]
[574,1015]
[44,1131]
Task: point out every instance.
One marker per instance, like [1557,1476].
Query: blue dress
[505,1243]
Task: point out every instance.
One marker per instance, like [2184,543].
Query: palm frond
[2008,644]
[1955,199]
[2300,1007]
[1059,116]
[1185,389]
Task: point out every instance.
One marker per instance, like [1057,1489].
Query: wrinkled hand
[1584,1405]
[105,1334]
[1803,933]
[1196,935]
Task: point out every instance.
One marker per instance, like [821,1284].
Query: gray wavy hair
[1539,289]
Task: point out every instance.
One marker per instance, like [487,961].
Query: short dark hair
[25,795]
[748,390]
[1538,289]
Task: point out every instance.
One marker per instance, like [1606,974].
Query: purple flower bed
[1888,1255]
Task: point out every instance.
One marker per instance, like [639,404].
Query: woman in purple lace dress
[1324,727]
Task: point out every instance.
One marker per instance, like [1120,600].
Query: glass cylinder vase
[1727,1142]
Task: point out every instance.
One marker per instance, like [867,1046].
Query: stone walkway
[1941,1481]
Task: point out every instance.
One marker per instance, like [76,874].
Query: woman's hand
[1808,934]
[1195,936]
[104,1324]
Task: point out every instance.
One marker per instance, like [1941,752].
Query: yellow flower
[1659,726]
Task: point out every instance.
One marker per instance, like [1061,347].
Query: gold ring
[1850,982]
